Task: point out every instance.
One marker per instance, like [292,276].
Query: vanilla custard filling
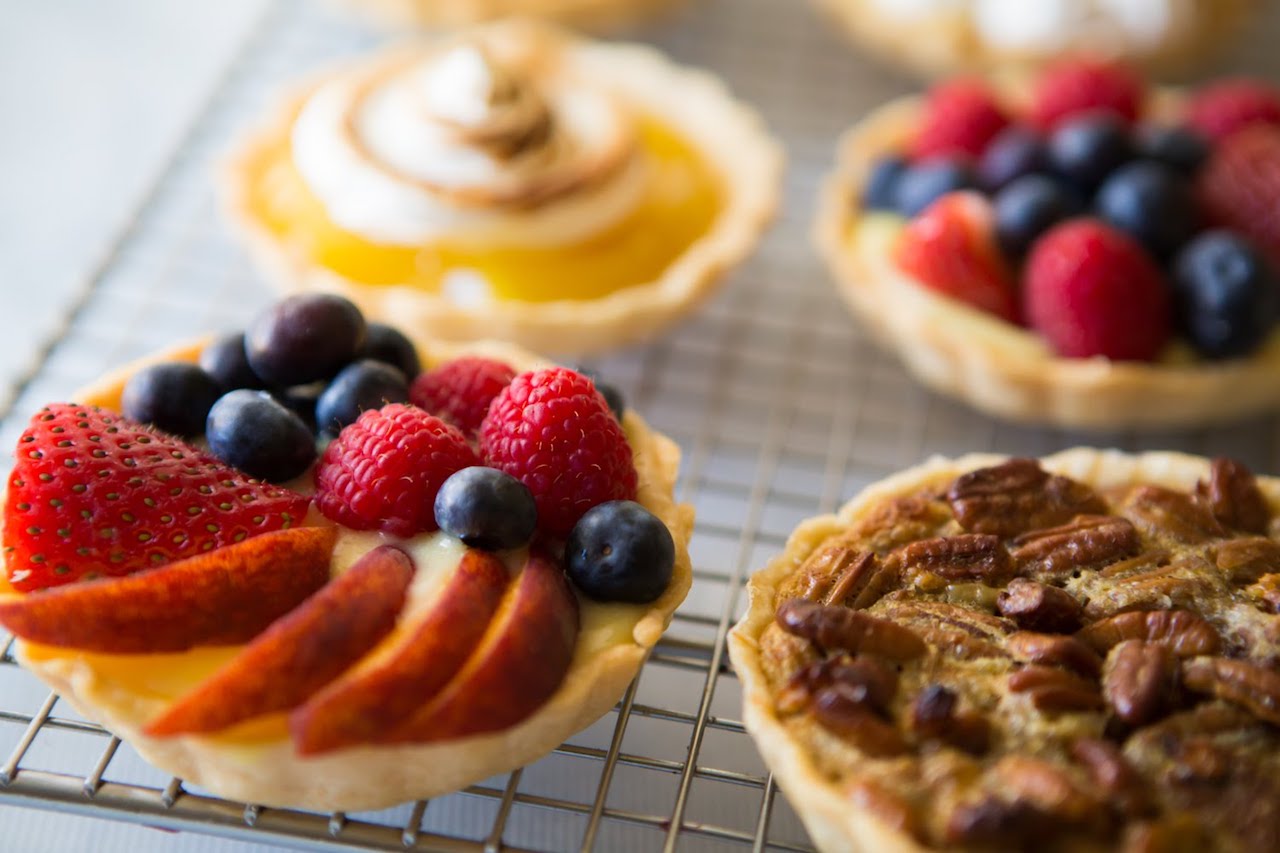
[479,172]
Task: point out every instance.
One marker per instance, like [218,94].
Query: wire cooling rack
[782,407]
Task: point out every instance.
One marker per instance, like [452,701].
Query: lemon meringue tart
[511,182]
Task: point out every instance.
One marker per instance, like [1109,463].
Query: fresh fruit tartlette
[1079,250]
[510,182]
[1080,653]
[597,16]
[294,567]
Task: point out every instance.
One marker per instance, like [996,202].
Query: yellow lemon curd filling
[679,204]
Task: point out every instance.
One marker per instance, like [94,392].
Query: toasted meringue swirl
[481,140]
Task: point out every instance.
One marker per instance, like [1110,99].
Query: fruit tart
[938,37]
[1077,653]
[510,182]
[592,15]
[294,567]
[1076,250]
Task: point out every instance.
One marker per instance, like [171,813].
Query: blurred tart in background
[597,16]
[510,182]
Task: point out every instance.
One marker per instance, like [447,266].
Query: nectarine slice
[222,597]
[372,699]
[518,666]
[301,652]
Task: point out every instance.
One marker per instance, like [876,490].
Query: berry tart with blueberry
[940,37]
[1078,653]
[510,182]
[315,565]
[1080,250]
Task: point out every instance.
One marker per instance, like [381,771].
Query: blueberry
[1016,151]
[1179,148]
[923,184]
[1226,295]
[612,396]
[173,397]
[1087,149]
[1151,202]
[304,338]
[1027,208]
[486,508]
[882,184]
[301,400]
[619,551]
[387,344]
[251,431]
[367,384]
[226,362]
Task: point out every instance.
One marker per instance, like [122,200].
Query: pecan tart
[1079,653]
[397,616]
[510,182]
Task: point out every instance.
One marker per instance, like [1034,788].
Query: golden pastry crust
[268,771]
[695,103]
[833,819]
[597,16]
[946,42]
[995,367]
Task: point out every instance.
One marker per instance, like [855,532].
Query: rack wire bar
[781,405]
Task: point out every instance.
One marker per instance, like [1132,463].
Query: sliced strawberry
[1082,86]
[960,118]
[951,248]
[1239,187]
[93,494]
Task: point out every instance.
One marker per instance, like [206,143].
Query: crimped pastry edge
[959,351]
[730,135]
[374,777]
[945,44]
[833,821]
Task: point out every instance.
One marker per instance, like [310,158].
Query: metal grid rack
[782,406]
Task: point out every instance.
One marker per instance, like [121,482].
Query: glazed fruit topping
[93,494]
[619,551]
[1143,181]
[461,390]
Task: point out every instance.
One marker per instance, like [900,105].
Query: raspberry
[951,248]
[1239,187]
[1086,86]
[552,430]
[1220,109]
[95,494]
[960,118]
[383,471]
[461,390]
[1090,290]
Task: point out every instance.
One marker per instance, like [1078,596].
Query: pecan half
[1165,514]
[1266,592]
[991,821]
[933,715]
[1087,542]
[1055,690]
[820,571]
[838,709]
[1139,681]
[901,520]
[1016,496]
[862,583]
[1036,607]
[1055,650]
[1243,561]
[954,630]
[1252,687]
[841,629]
[1233,496]
[1113,775]
[1186,633]
[871,682]
[1046,787]
[968,556]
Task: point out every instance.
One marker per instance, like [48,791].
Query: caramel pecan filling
[1016,660]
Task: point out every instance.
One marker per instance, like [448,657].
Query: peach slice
[375,698]
[519,664]
[301,652]
[222,597]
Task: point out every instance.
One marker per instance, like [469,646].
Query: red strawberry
[383,471]
[1220,109]
[1239,187]
[1091,290]
[553,431]
[1082,86]
[951,248]
[94,494]
[461,390]
[960,118]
